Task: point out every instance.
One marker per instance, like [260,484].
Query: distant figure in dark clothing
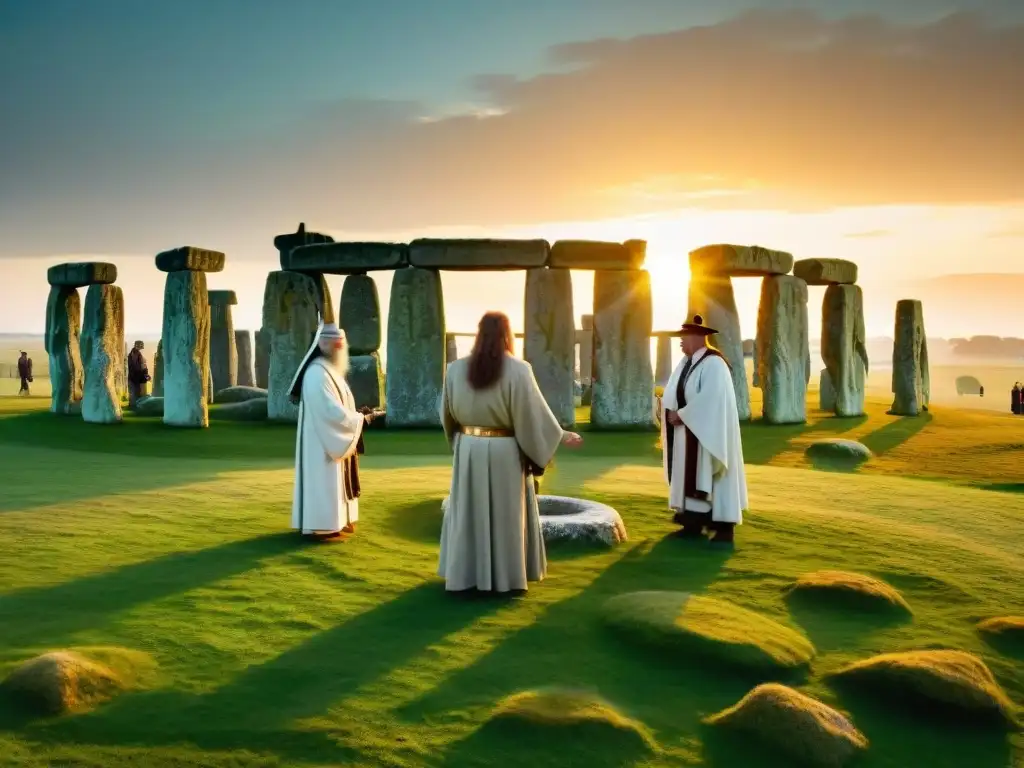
[24,373]
[138,374]
[1015,398]
[981,391]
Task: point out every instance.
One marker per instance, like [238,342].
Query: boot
[723,533]
[692,524]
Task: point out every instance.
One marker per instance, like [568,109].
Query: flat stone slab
[82,273]
[190,259]
[345,258]
[595,254]
[740,260]
[228,298]
[492,255]
[826,271]
[286,242]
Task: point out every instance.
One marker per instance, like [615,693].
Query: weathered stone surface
[843,346]
[209,388]
[911,385]
[326,305]
[712,297]
[623,388]
[223,298]
[781,363]
[756,378]
[243,347]
[826,392]
[366,379]
[158,373]
[826,271]
[585,340]
[186,349]
[663,361]
[359,314]
[63,321]
[300,237]
[102,351]
[262,358]
[488,255]
[346,258]
[415,353]
[151,405]
[292,303]
[188,258]
[740,261]
[595,254]
[451,350]
[223,354]
[239,394]
[549,344]
[81,274]
[837,451]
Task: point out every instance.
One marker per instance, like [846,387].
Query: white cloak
[328,432]
[710,414]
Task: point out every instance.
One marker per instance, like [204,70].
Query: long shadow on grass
[568,646]
[48,616]
[896,432]
[762,441]
[258,710]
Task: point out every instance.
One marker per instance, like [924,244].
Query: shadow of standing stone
[102,351]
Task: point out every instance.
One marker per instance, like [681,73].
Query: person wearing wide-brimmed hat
[703,453]
[325,503]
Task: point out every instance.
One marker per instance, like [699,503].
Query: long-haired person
[499,428]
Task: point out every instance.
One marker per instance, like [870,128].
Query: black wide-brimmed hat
[697,327]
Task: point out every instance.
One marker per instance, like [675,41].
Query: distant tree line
[1008,347]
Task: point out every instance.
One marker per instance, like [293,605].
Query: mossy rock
[149,406]
[72,681]
[842,589]
[247,410]
[530,721]
[837,452]
[239,394]
[951,680]
[1006,632]
[803,728]
[696,625]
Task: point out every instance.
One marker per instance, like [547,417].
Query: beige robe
[328,435]
[491,536]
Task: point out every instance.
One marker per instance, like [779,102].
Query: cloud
[769,109]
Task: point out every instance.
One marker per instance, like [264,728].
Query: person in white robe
[701,443]
[328,440]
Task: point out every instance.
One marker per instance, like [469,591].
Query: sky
[886,133]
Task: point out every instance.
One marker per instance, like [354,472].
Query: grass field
[271,652]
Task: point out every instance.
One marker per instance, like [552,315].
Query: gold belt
[487,432]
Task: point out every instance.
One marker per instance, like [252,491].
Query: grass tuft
[843,589]
[708,627]
[803,728]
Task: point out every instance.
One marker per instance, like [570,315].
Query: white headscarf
[326,331]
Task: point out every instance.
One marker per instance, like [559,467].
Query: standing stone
[712,297]
[451,349]
[209,388]
[586,342]
[549,343]
[911,385]
[63,323]
[843,346]
[293,304]
[757,376]
[158,370]
[826,393]
[663,361]
[262,366]
[121,375]
[359,314]
[783,336]
[185,349]
[243,347]
[416,353]
[623,394]
[366,379]
[102,348]
[223,353]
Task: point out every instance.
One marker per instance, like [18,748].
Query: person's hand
[673,418]
[572,440]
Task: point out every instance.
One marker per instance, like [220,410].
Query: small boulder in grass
[1007,631]
[239,394]
[795,724]
[842,589]
[837,452]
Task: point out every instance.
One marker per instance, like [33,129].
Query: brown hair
[494,340]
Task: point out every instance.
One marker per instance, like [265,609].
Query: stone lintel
[190,259]
[81,274]
[740,261]
[345,258]
[471,255]
[826,271]
[285,243]
[223,297]
[595,254]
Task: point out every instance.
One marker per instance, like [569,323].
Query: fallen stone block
[190,259]
[490,255]
[826,271]
[740,261]
[346,258]
[81,274]
[594,254]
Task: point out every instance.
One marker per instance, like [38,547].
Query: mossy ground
[271,652]
[843,590]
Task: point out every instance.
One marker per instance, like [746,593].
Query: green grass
[174,544]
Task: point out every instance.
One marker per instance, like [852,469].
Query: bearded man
[328,440]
